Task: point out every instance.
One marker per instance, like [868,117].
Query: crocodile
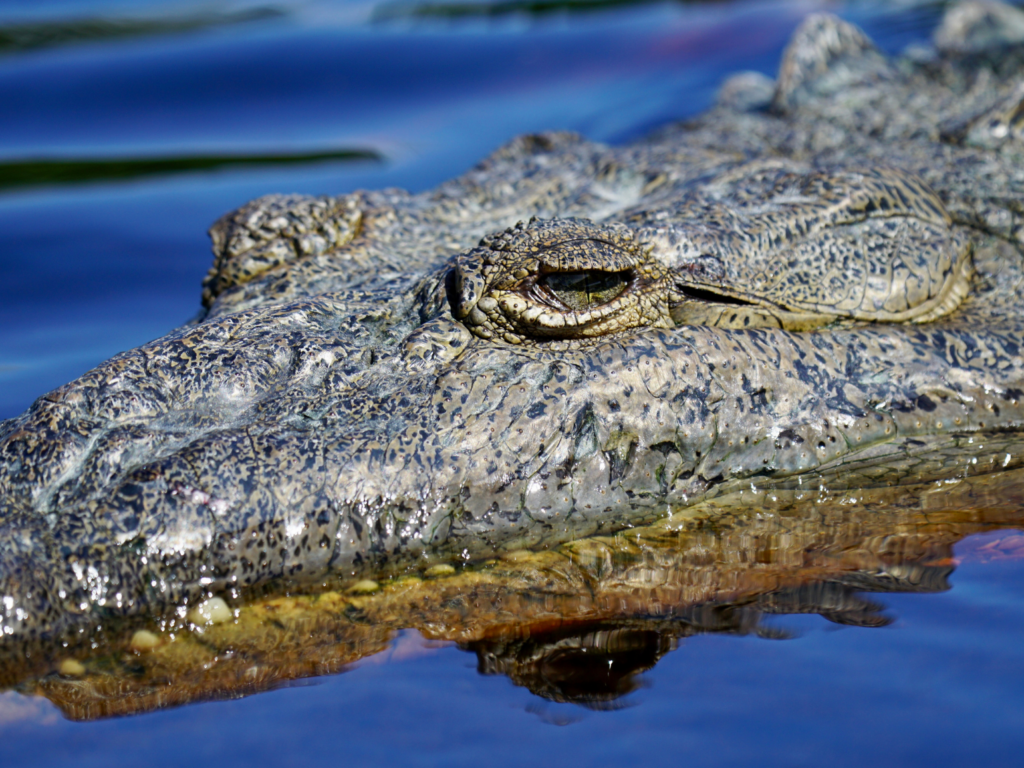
[815,284]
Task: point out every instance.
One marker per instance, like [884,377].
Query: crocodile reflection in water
[825,289]
[596,665]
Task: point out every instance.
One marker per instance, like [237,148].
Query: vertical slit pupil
[586,289]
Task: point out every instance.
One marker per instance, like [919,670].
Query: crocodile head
[781,297]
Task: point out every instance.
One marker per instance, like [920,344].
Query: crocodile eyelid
[566,279]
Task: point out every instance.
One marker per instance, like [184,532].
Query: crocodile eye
[561,282]
[583,290]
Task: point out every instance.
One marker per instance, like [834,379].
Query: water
[128,128]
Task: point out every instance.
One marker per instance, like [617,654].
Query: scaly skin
[552,620]
[373,383]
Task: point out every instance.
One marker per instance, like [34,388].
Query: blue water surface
[95,267]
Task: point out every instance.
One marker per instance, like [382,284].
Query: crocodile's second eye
[584,290]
